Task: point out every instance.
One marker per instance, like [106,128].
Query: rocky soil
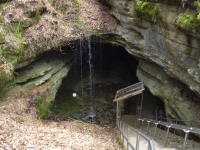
[20,129]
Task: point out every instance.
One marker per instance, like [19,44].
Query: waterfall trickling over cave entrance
[97,72]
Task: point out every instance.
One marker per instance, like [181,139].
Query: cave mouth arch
[98,70]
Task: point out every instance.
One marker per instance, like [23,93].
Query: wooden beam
[129,95]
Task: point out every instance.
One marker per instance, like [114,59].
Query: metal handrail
[184,128]
[121,125]
[177,121]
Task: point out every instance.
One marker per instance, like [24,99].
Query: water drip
[90,67]
[81,64]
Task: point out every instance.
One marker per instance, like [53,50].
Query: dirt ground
[18,132]
[21,130]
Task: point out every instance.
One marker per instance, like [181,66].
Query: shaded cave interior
[97,72]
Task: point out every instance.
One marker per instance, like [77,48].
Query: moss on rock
[188,51]
[43,108]
[196,4]
[188,21]
[148,10]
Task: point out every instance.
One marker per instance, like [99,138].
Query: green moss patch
[147,10]
[43,108]
[196,4]
[188,51]
[65,107]
[188,21]
[78,3]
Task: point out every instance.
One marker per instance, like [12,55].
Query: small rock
[30,146]
[6,147]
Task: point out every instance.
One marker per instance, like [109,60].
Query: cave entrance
[98,70]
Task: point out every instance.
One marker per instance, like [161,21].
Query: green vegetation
[78,3]
[120,142]
[18,33]
[188,21]
[141,47]
[188,51]
[77,121]
[79,21]
[43,108]
[37,16]
[196,4]
[20,119]
[37,39]
[148,10]
[112,40]
[65,107]
[1,18]
[114,43]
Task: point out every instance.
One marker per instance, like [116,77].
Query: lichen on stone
[148,10]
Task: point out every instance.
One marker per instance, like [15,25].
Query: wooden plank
[129,95]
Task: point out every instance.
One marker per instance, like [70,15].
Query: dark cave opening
[97,72]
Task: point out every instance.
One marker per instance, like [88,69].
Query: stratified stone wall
[149,31]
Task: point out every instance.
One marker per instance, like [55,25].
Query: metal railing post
[155,130]
[148,121]
[143,122]
[137,141]
[167,134]
[175,129]
[120,124]
[148,146]
[128,138]
[123,134]
[186,136]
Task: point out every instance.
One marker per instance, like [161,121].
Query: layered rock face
[167,50]
[29,29]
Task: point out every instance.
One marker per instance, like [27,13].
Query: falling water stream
[90,69]
[94,77]
[81,65]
